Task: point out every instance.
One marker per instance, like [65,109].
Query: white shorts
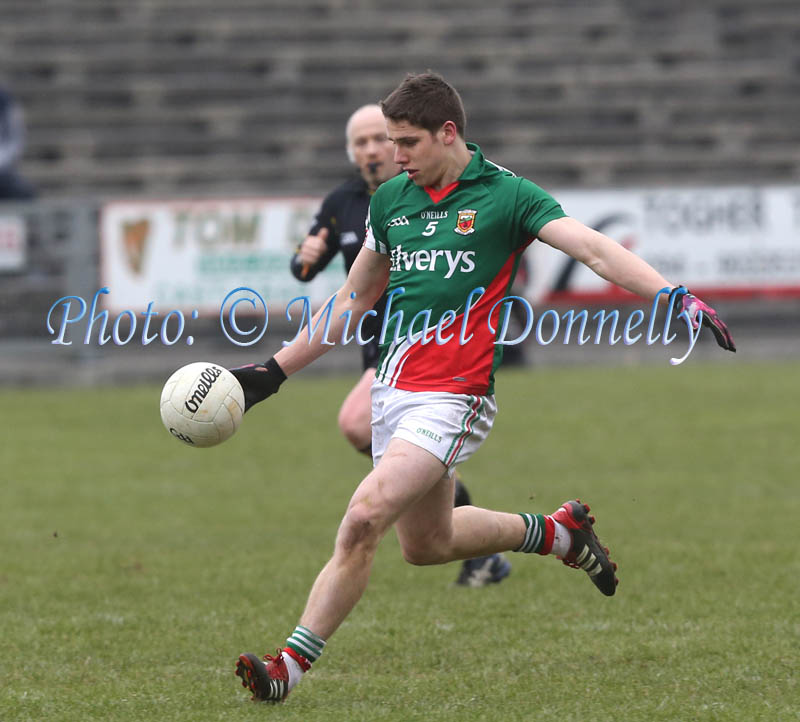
[449,426]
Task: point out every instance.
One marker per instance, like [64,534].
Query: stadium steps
[160,97]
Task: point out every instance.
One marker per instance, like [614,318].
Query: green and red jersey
[443,245]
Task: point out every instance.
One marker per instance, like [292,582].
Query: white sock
[562,540]
[294,669]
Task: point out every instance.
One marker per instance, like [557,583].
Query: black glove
[693,305]
[259,380]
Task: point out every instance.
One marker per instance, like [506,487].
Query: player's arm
[607,258]
[611,261]
[364,285]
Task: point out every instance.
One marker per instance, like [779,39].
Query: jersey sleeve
[375,235]
[536,207]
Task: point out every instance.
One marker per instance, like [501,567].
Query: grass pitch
[134,570]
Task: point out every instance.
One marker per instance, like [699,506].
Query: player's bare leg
[478,571]
[428,537]
[404,474]
[411,488]
[355,414]
[431,532]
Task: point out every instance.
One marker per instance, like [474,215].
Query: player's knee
[361,528]
[423,553]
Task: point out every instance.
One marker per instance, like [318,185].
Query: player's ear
[350,155]
[448,132]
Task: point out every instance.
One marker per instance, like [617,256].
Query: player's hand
[259,381]
[693,306]
[312,249]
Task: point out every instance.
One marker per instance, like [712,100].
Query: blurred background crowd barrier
[675,127]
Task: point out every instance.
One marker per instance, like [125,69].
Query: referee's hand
[312,249]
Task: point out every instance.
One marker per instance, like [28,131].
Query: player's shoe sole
[586,551]
[267,680]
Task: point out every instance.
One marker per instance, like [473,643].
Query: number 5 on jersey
[430,229]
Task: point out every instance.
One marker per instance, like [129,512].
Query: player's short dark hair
[426,100]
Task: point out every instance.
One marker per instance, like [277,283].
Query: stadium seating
[198,97]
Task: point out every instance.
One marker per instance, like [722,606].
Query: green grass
[133,570]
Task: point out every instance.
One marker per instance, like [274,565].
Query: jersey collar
[477,166]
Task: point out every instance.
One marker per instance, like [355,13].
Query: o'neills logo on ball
[207,379]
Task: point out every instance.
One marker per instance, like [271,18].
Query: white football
[202,404]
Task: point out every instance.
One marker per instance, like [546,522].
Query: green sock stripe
[534,533]
[529,523]
[539,541]
[306,643]
[311,637]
